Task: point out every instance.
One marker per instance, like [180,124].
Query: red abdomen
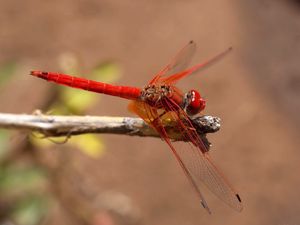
[131,93]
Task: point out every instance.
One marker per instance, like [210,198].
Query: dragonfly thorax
[152,94]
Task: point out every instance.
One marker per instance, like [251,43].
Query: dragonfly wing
[183,165]
[172,79]
[197,161]
[178,63]
[193,158]
[151,116]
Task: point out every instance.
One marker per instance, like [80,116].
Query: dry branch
[54,126]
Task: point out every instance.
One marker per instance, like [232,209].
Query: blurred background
[112,179]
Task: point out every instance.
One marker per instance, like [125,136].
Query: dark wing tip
[239,207]
[205,206]
[238,197]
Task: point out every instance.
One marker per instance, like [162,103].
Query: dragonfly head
[193,102]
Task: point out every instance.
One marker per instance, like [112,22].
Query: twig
[54,126]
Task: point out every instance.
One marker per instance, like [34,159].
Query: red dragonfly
[161,102]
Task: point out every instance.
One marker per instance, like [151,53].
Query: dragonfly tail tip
[34,73]
[39,74]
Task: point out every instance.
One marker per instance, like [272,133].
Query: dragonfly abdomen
[76,82]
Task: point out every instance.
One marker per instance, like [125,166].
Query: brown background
[255,91]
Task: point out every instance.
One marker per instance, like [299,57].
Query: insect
[160,103]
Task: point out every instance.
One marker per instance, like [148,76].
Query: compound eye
[196,103]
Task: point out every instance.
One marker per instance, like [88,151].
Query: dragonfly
[161,103]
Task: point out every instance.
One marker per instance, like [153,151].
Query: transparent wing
[178,63]
[172,79]
[151,116]
[198,162]
[193,158]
